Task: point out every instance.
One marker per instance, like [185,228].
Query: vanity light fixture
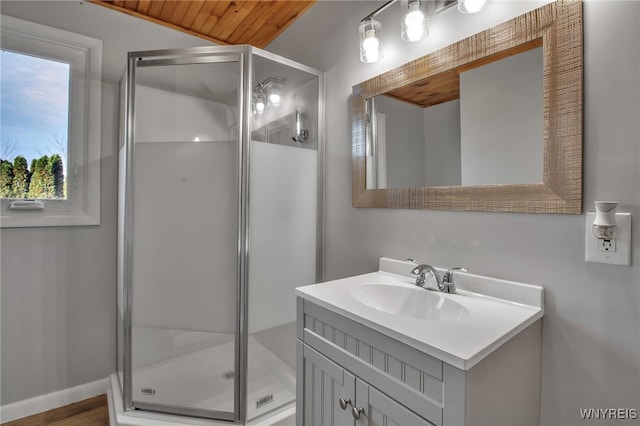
[413,24]
[471,6]
[370,45]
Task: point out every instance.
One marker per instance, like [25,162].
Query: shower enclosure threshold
[285,416]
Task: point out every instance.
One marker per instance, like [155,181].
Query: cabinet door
[324,383]
[377,409]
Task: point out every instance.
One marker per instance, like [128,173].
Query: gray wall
[59,284]
[405,142]
[58,292]
[591,328]
[501,117]
[58,310]
[442,141]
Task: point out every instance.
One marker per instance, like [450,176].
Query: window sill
[41,219]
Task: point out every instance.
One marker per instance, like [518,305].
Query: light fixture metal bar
[442,5]
[378,10]
[438,6]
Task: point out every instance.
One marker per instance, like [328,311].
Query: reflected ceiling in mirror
[552,129]
[479,124]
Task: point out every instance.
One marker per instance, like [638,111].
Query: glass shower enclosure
[220,218]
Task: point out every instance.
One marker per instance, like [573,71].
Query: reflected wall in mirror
[486,131]
[491,123]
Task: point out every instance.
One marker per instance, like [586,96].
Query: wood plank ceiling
[445,87]
[224,22]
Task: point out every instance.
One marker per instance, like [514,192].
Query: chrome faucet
[444,284]
[420,271]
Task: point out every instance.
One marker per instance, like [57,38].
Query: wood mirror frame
[559,25]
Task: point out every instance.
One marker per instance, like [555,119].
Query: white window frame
[84,54]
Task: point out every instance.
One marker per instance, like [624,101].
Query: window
[50,116]
[35,119]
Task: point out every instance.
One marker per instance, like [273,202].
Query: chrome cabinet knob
[344,402]
[356,412]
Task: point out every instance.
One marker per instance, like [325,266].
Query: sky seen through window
[34,111]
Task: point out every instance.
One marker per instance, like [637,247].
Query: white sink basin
[459,329]
[412,302]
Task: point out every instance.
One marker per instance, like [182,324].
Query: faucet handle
[447,280]
[419,271]
[448,276]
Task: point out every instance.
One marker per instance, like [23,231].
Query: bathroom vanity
[374,349]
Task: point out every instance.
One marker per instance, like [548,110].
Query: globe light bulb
[260,107]
[371,46]
[471,6]
[414,21]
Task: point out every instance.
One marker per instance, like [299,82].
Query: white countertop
[501,311]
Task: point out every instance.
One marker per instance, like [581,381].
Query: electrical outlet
[607,245]
[616,251]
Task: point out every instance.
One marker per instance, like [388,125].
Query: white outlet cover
[622,255]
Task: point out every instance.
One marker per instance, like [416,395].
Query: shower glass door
[285,219]
[184,166]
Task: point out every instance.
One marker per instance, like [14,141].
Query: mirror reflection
[480,124]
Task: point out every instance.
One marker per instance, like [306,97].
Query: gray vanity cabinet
[382,381]
[340,358]
[380,410]
[334,396]
[325,383]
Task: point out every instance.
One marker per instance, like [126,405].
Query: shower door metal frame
[321,148]
[251,51]
[187,56]
[199,55]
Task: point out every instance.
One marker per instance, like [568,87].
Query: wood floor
[90,412]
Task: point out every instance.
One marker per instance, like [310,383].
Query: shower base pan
[271,385]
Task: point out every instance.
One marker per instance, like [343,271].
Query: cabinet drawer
[407,375]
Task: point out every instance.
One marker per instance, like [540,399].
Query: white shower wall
[192,287]
[282,226]
[163,116]
[185,243]
[185,240]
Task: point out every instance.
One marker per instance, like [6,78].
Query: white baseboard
[39,404]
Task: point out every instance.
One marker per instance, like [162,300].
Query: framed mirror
[490,123]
